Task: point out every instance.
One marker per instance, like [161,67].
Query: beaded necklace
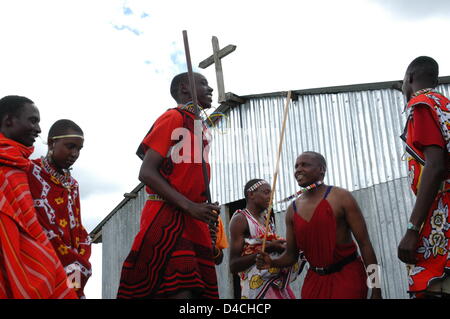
[190,107]
[65,179]
[303,190]
[422,91]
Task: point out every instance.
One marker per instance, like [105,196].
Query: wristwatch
[411,226]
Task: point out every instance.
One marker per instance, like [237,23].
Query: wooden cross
[218,54]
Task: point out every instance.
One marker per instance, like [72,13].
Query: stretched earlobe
[50,156]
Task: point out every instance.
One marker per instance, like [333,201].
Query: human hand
[276,246]
[407,247]
[263,260]
[205,212]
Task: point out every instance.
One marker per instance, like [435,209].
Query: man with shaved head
[320,223]
[425,245]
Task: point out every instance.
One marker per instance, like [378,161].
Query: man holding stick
[320,223]
[172,255]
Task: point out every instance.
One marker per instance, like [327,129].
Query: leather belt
[323,271]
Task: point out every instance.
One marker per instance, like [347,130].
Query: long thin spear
[275,175]
[197,109]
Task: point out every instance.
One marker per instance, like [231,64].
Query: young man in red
[425,245]
[172,255]
[29,267]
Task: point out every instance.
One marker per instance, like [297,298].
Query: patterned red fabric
[428,124]
[60,217]
[172,250]
[317,239]
[29,267]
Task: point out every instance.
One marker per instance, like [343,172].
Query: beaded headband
[69,135]
[256,185]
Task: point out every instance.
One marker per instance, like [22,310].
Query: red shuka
[60,217]
[317,239]
[29,267]
[172,250]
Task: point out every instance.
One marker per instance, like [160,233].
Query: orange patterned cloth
[58,212]
[222,241]
[256,247]
[29,267]
[272,283]
[429,124]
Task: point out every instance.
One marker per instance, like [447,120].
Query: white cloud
[416,9]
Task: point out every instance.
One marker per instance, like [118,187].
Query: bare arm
[238,230]
[149,174]
[357,224]
[432,176]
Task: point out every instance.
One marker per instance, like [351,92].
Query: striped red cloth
[172,251]
[29,267]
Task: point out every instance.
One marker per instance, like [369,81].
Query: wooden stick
[190,72]
[197,109]
[275,175]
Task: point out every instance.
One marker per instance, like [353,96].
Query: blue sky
[107,64]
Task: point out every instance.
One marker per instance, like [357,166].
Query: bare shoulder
[237,216]
[238,222]
[340,191]
[290,212]
[341,198]
[341,194]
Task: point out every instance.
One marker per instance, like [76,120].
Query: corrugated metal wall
[117,236]
[357,132]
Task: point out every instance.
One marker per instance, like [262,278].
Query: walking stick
[197,109]
[275,175]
